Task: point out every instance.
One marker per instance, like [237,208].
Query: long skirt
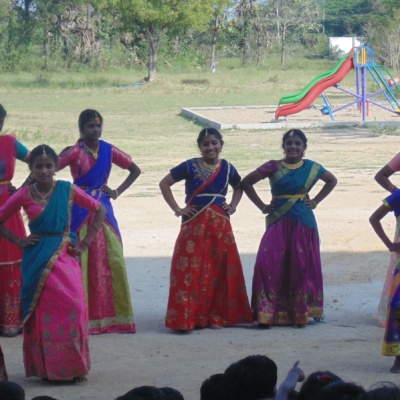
[387,287]
[106,283]
[56,334]
[391,341]
[287,281]
[206,282]
[10,277]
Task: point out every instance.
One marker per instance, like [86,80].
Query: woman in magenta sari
[287,282]
[383,178]
[10,255]
[55,324]
[103,266]
[206,284]
[391,341]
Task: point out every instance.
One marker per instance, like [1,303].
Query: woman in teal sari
[287,281]
[55,322]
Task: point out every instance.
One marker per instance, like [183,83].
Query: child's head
[315,382]
[11,391]
[382,391]
[213,388]
[251,378]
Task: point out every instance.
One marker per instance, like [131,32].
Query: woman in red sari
[10,255]
[207,285]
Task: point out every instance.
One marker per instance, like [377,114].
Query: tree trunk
[283,49]
[214,41]
[154,44]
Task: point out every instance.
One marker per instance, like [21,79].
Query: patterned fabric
[394,165]
[206,281]
[55,317]
[287,281]
[10,254]
[391,341]
[103,265]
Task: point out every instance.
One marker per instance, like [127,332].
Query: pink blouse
[22,198]
[81,162]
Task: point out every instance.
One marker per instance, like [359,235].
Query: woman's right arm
[382,177]
[247,184]
[375,221]
[165,187]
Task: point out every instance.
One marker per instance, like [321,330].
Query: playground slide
[316,90]
[294,98]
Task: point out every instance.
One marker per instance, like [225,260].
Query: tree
[293,16]
[156,16]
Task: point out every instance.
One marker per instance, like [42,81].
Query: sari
[391,341]
[103,265]
[287,282]
[207,285]
[10,254]
[55,324]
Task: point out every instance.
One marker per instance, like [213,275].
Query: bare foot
[79,379]
[214,326]
[396,366]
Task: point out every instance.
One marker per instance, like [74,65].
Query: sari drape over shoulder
[287,281]
[10,254]
[103,265]
[55,323]
[206,282]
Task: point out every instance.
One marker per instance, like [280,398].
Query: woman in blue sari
[55,323]
[287,281]
[391,341]
[206,285]
[104,271]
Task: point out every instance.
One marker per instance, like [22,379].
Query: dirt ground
[348,342]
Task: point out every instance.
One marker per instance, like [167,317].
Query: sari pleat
[207,283]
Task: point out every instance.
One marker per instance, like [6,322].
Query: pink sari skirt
[56,334]
[10,274]
[287,281]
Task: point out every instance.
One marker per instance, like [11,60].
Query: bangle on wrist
[178,212]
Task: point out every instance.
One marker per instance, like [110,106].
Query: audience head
[144,393]
[213,388]
[171,393]
[43,398]
[11,391]
[382,391]
[315,382]
[251,378]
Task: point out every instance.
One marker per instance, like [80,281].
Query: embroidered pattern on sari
[53,226]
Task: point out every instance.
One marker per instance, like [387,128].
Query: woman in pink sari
[10,255]
[382,177]
[55,324]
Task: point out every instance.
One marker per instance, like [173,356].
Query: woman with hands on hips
[90,161]
[207,286]
[54,313]
[287,281]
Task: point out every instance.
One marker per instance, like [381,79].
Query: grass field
[144,120]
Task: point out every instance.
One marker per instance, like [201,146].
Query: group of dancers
[67,278]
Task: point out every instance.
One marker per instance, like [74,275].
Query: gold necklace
[44,201]
[94,153]
[292,166]
[210,166]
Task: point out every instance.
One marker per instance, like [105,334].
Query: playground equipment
[362,60]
